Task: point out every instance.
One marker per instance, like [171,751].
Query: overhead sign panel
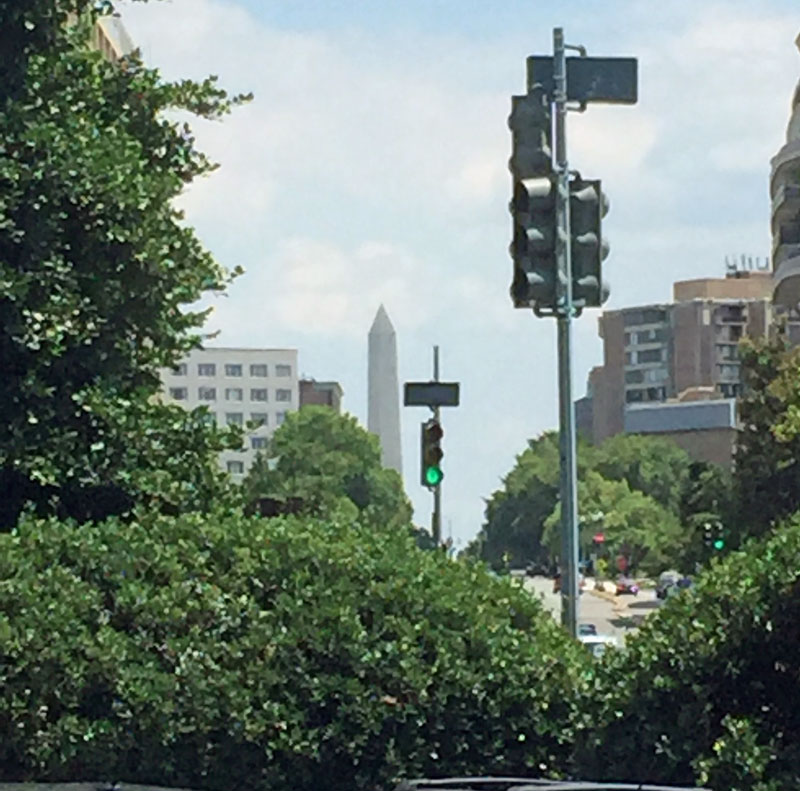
[608,80]
[430,394]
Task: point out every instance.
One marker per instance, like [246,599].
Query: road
[612,615]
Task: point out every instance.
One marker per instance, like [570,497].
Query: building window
[280,417]
[207,393]
[650,356]
[727,352]
[283,370]
[634,396]
[258,393]
[283,395]
[234,394]
[258,443]
[178,393]
[728,371]
[656,393]
[627,339]
[210,418]
[234,419]
[236,467]
[634,377]
[180,370]
[233,369]
[259,418]
[207,369]
[730,390]
[655,375]
[258,369]
[630,358]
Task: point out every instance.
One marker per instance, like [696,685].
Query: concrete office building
[679,352]
[237,386]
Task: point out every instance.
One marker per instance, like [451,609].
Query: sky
[372,168]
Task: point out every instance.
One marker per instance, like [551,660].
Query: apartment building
[238,387]
[678,353]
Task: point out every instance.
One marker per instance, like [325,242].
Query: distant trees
[643,493]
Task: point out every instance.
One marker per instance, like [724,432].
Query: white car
[597,643]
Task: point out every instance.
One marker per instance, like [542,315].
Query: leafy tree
[654,466]
[646,483]
[228,652]
[515,514]
[633,524]
[323,459]
[767,468]
[706,692]
[96,267]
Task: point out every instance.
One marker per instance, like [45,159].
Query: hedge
[708,691]
[250,653]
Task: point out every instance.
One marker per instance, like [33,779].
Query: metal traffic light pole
[566,434]
[436,517]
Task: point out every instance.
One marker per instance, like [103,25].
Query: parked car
[625,585]
[598,643]
[585,629]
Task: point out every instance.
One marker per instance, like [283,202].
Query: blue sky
[372,167]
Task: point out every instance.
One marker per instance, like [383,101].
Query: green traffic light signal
[433,476]
[719,544]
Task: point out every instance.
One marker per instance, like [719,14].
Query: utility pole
[434,395]
[567,452]
[557,244]
[436,516]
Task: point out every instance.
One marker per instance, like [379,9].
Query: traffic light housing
[533,205]
[587,207]
[431,440]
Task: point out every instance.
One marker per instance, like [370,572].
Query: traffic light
[708,535]
[431,469]
[719,538]
[587,207]
[533,205]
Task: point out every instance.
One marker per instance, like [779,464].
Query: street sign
[608,80]
[430,394]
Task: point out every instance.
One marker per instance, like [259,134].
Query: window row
[646,356]
[645,336]
[231,394]
[256,419]
[644,316]
[650,394]
[232,369]
[646,375]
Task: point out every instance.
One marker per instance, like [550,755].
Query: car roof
[598,638]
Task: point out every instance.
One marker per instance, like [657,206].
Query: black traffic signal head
[534,201]
[587,207]
[431,462]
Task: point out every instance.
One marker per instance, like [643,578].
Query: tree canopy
[643,493]
[767,469]
[324,459]
[97,270]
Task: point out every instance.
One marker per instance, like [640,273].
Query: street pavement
[612,615]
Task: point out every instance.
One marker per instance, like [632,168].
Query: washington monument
[383,397]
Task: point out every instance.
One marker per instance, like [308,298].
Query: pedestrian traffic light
[533,205]
[708,535]
[431,467]
[587,207]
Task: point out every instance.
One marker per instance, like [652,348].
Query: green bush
[247,653]
[709,690]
